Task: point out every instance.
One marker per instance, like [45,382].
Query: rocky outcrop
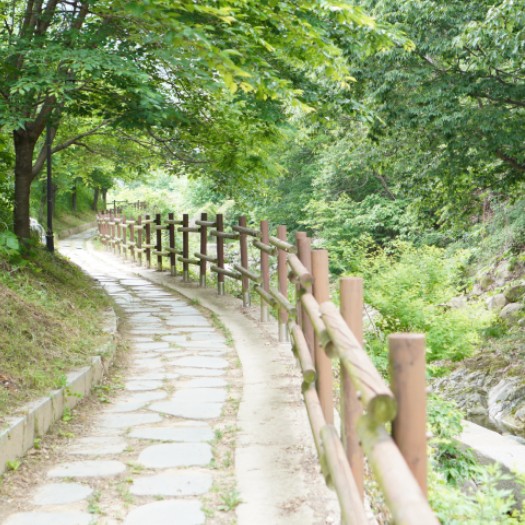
[490,386]
[486,398]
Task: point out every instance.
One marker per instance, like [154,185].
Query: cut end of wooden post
[382,409]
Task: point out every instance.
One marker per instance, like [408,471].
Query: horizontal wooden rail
[300,273]
[266,248]
[311,307]
[403,495]
[282,245]
[224,235]
[210,224]
[248,273]
[189,229]
[281,300]
[247,231]
[303,354]
[376,396]
[208,258]
[228,273]
[265,296]
[352,510]
[187,260]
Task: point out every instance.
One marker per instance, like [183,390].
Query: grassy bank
[50,323]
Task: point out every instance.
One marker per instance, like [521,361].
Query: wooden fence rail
[320,334]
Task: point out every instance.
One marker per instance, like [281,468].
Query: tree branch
[510,160]
[39,164]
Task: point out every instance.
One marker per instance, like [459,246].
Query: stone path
[148,456]
[153,441]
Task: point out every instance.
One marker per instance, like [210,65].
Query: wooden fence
[321,335]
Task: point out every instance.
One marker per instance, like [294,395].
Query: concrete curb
[77,229]
[489,447]
[21,431]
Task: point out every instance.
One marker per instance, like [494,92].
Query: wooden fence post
[243,245]
[282,276]
[139,239]
[203,251]
[185,248]
[351,299]
[111,231]
[124,237]
[173,254]
[304,252]
[323,364]
[407,365]
[148,241]
[158,245]
[220,253]
[265,269]
[132,240]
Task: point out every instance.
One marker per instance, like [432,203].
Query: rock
[476,290]
[515,293]
[506,405]
[457,302]
[496,302]
[502,271]
[371,319]
[485,281]
[512,312]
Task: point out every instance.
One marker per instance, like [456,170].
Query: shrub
[411,286]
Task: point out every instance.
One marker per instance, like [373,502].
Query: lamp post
[50,241]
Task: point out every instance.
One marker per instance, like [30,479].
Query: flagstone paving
[154,436]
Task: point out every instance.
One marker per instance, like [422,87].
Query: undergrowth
[50,322]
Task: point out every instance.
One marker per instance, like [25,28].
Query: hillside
[50,324]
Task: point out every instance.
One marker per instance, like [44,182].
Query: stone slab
[175,455]
[97,446]
[189,432]
[187,512]
[199,395]
[61,493]
[136,385]
[200,362]
[125,406]
[50,518]
[128,420]
[205,382]
[188,320]
[173,483]
[153,363]
[200,372]
[209,337]
[87,469]
[147,346]
[174,338]
[188,409]
[151,395]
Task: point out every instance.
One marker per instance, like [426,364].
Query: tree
[161,68]
[450,114]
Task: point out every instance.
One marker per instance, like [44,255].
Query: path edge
[76,229]
[21,432]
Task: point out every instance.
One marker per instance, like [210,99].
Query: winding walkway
[149,457]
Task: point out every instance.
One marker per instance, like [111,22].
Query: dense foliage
[203,83]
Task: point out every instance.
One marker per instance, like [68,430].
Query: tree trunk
[105,198]
[74,197]
[24,148]
[96,193]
